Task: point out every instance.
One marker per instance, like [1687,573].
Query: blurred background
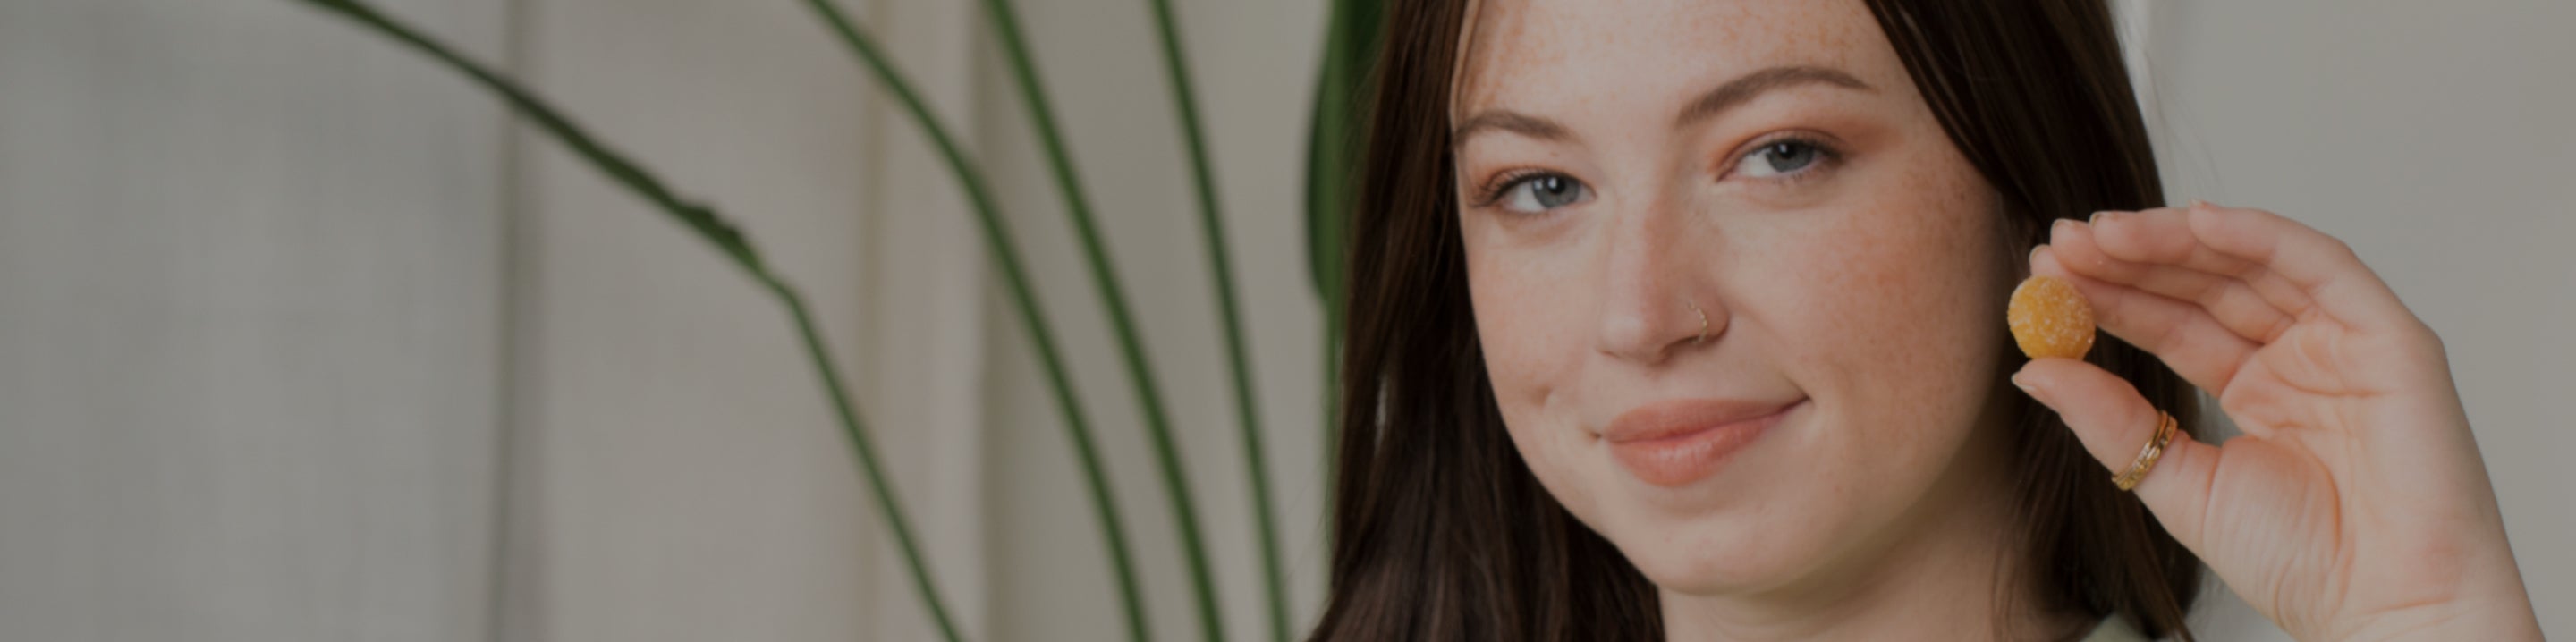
[302,338]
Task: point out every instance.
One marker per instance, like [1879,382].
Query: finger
[2163,237]
[2115,423]
[2232,302]
[2185,336]
[2326,269]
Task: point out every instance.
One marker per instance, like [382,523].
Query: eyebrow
[1744,89]
[1510,121]
[1708,105]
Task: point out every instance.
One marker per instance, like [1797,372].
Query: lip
[1674,443]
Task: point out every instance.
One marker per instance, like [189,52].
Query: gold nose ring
[1703,321]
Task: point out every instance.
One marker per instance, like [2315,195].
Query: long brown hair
[1440,532]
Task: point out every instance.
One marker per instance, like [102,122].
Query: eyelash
[1502,184]
[1827,156]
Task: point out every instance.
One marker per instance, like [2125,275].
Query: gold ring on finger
[2165,429]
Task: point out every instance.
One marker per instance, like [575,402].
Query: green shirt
[2115,629]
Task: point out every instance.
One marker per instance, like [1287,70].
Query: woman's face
[1739,296]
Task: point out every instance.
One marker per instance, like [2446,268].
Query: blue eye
[1780,158]
[1542,192]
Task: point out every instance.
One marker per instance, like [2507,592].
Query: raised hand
[2355,504]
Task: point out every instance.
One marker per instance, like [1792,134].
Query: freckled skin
[1871,287]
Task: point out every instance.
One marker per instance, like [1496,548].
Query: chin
[1770,518]
[1725,553]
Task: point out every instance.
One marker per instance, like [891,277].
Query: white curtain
[249,325]
[305,340]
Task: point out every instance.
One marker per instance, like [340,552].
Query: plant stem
[865,449]
[997,236]
[1024,73]
[714,229]
[1212,223]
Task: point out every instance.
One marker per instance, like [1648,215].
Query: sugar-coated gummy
[2049,318]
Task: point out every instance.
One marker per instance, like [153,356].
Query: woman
[1682,319]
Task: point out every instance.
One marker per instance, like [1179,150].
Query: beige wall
[297,343]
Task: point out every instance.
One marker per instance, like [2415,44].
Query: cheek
[1901,314]
[1534,343]
[1904,292]
[1524,326]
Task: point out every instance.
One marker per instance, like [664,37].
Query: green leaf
[1333,145]
[1176,73]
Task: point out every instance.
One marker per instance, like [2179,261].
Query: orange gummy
[2049,318]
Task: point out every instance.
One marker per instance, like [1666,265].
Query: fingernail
[2034,253]
[2062,227]
[2026,388]
[2101,217]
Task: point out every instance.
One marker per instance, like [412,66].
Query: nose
[1657,301]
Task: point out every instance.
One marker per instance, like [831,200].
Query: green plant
[711,227]
[1332,157]
[1122,320]
[1350,41]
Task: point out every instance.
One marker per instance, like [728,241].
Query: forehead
[1550,54]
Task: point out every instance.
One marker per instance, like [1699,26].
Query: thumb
[2115,423]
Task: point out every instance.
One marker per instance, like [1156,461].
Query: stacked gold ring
[2165,429]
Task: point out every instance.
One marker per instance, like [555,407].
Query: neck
[1940,570]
